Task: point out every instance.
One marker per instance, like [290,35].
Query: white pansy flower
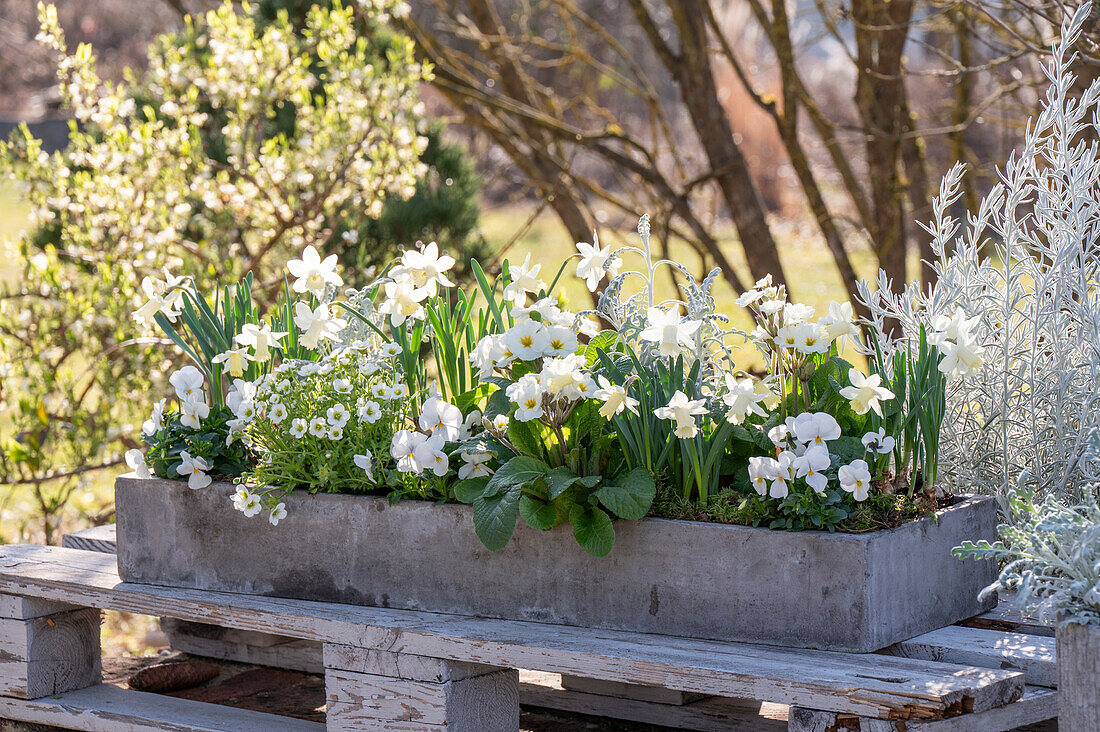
[135,458]
[762,471]
[155,423]
[878,442]
[440,417]
[403,449]
[784,473]
[816,428]
[314,275]
[188,383]
[195,469]
[365,462]
[475,465]
[430,455]
[811,465]
[855,478]
[194,411]
[866,392]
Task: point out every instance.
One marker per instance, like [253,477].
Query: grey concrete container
[851,592]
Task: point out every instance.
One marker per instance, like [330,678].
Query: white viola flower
[261,338]
[135,458]
[370,412]
[527,395]
[527,340]
[855,477]
[403,449]
[669,331]
[316,324]
[595,262]
[614,398]
[365,462]
[962,358]
[784,474]
[524,279]
[816,428]
[743,398]
[838,322]
[795,313]
[240,391]
[811,466]
[155,423]
[560,341]
[398,391]
[486,354]
[391,349]
[426,269]
[762,471]
[379,390]
[318,427]
[235,360]
[314,275]
[341,386]
[475,465]
[403,302]
[277,514]
[194,411]
[430,455]
[195,469]
[866,392]
[276,412]
[683,411]
[439,416]
[188,383]
[298,428]
[337,415]
[334,432]
[780,435]
[500,423]
[878,442]
[470,425]
[810,338]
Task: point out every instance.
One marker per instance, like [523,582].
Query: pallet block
[46,647]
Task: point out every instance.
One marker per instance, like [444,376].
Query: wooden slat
[26,608]
[106,708]
[400,665]
[1036,705]
[294,655]
[49,655]
[1031,654]
[866,685]
[95,539]
[714,714]
[1007,617]
[655,694]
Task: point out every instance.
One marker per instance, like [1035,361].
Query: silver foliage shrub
[1025,265]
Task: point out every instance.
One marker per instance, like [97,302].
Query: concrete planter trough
[851,592]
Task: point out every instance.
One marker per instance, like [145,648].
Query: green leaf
[630,496]
[468,490]
[495,518]
[592,529]
[602,341]
[516,473]
[525,437]
[561,479]
[538,514]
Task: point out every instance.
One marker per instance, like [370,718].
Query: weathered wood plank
[49,655]
[865,685]
[655,694]
[229,635]
[294,655]
[487,703]
[25,608]
[714,714]
[1079,677]
[1036,705]
[106,708]
[400,665]
[1007,617]
[1031,654]
[95,539]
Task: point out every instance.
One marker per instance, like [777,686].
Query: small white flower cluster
[803,454]
[541,330]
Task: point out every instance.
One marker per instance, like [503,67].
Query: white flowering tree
[245,141]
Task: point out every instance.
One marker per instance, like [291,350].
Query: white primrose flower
[135,458]
[439,416]
[370,412]
[475,465]
[430,455]
[316,324]
[526,394]
[261,338]
[683,411]
[855,478]
[816,428]
[962,358]
[277,514]
[403,302]
[787,337]
[365,462]
[500,423]
[762,471]
[748,298]
[155,423]
[298,428]
[341,386]
[188,383]
[276,412]
[195,469]
[314,275]
[560,341]
[470,425]
[527,340]
[771,307]
[669,331]
[837,323]
[810,338]
[878,442]
[560,376]
[744,398]
[595,262]
[866,392]
[194,411]
[524,279]
[614,398]
[811,466]
[425,269]
[795,313]
[487,354]
[337,415]
[234,360]
[784,474]
[403,449]
[318,427]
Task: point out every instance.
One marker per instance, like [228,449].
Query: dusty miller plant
[1024,266]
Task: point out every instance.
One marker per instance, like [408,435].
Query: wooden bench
[410,670]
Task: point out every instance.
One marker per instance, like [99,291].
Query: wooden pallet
[856,689]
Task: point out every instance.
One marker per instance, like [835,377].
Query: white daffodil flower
[669,331]
[743,398]
[962,358]
[866,392]
[316,324]
[234,360]
[403,302]
[524,279]
[425,269]
[261,338]
[314,275]
[595,262]
[683,411]
[614,398]
[837,322]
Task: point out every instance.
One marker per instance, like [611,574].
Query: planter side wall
[1078,654]
[701,580]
